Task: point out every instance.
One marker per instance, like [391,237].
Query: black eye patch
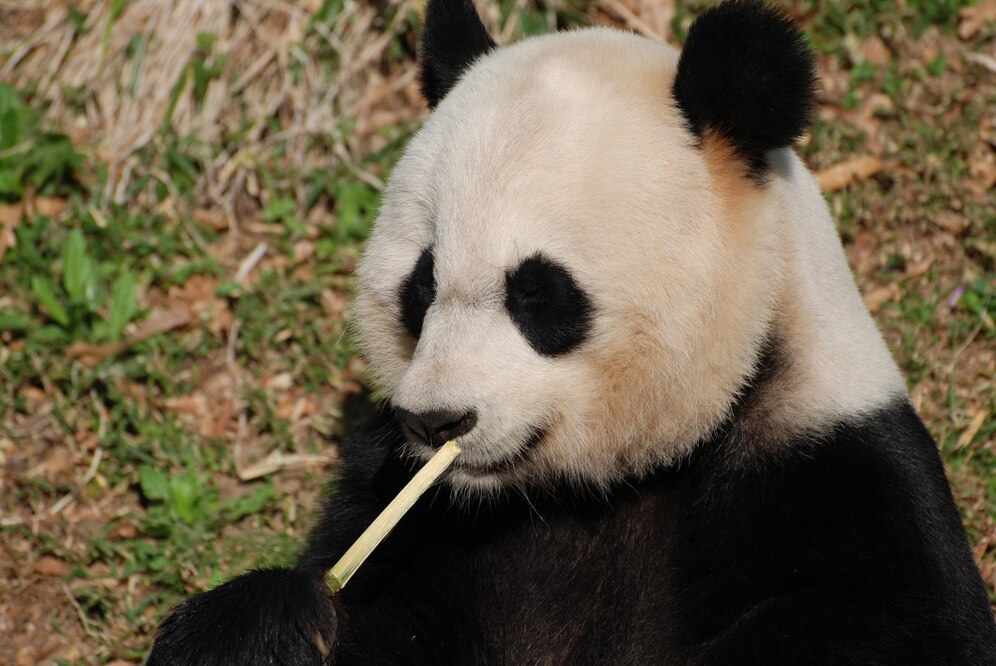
[417,293]
[551,311]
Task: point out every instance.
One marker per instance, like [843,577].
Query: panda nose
[437,427]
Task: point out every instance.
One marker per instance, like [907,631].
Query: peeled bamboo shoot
[382,525]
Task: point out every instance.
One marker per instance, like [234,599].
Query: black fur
[844,548]
[418,291]
[271,616]
[747,74]
[452,39]
[548,306]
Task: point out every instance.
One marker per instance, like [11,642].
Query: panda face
[554,266]
[586,249]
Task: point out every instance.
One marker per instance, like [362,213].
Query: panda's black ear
[453,37]
[747,75]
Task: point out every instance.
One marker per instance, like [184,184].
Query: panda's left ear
[453,37]
[746,76]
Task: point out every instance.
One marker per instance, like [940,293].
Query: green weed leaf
[122,303]
[153,483]
[14,321]
[356,206]
[183,496]
[11,186]
[217,578]
[44,291]
[48,335]
[8,98]
[53,160]
[284,210]
[11,128]
[246,505]
[78,270]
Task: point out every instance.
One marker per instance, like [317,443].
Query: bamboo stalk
[382,525]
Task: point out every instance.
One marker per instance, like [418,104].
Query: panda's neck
[824,360]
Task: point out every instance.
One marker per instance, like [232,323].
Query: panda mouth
[508,464]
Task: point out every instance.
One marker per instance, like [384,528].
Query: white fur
[570,144]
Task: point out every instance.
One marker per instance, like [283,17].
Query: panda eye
[533,295]
[418,291]
[551,311]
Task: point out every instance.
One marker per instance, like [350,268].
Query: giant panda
[602,269]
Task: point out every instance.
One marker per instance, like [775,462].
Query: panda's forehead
[473,254]
[545,105]
[548,146]
[483,219]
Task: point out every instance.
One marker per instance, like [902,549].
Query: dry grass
[272,66]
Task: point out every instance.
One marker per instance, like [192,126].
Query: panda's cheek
[386,349]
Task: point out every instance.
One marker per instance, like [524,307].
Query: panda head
[577,261]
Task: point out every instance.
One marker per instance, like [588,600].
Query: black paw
[277,617]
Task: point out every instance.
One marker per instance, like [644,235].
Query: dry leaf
[982,60]
[264,228]
[277,461]
[974,17]
[58,464]
[655,14]
[159,321]
[24,656]
[219,383]
[207,218]
[982,167]
[875,51]
[223,414]
[198,409]
[247,264]
[875,298]
[10,214]
[973,428]
[94,354]
[200,294]
[333,304]
[212,407]
[196,288]
[219,316]
[125,530]
[195,405]
[50,566]
[919,268]
[294,409]
[50,206]
[303,273]
[34,396]
[303,250]
[953,223]
[279,382]
[839,176]
[10,218]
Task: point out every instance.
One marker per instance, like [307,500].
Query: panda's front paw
[277,617]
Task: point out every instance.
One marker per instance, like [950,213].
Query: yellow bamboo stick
[382,525]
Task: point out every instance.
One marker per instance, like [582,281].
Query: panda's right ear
[453,37]
[747,76]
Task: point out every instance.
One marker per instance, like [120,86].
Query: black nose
[435,428]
